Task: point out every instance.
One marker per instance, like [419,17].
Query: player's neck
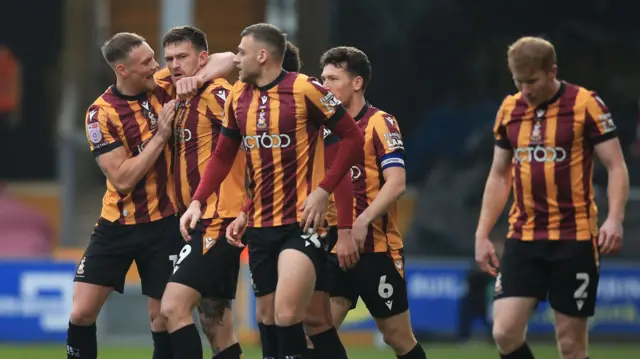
[553,90]
[268,75]
[356,105]
[126,89]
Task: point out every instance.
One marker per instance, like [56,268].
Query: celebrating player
[206,269]
[318,324]
[546,136]
[378,182]
[277,117]
[128,129]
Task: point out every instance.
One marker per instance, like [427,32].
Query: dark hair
[120,46]
[270,35]
[291,61]
[355,62]
[186,33]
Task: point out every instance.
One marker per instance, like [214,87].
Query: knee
[570,346]
[315,323]
[264,310]
[507,339]
[287,316]
[400,340]
[83,314]
[171,310]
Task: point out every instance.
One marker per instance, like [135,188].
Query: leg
[263,264]
[522,282]
[572,295]
[380,277]
[215,311]
[299,261]
[323,340]
[88,299]
[155,260]
[102,269]
[510,317]
[216,319]
[319,327]
[343,291]
[572,336]
[296,279]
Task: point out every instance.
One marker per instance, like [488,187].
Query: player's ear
[120,69]
[554,72]
[357,83]
[203,57]
[262,56]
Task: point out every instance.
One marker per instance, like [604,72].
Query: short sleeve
[165,89]
[387,141]
[101,132]
[230,126]
[322,106]
[598,125]
[499,129]
[218,93]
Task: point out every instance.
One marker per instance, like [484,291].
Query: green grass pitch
[434,351]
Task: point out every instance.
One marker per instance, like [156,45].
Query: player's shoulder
[377,116]
[105,103]
[582,96]
[162,75]
[510,101]
[238,87]
[218,87]
[306,82]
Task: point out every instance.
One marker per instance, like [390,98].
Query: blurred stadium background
[439,66]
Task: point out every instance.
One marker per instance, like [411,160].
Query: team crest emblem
[540,113]
[262,120]
[80,270]
[536,133]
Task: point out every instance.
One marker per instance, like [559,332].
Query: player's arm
[344,191]
[122,171]
[218,65]
[221,161]
[601,133]
[390,152]
[498,185]
[329,111]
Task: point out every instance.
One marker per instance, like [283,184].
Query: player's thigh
[574,285]
[264,246]
[208,264]
[329,238]
[524,272]
[162,248]
[343,290]
[383,289]
[108,256]
[300,258]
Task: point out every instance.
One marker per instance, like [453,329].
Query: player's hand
[486,256]
[610,236]
[165,120]
[314,210]
[187,87]
[189,219]
[359,231]
[346,249]
[236,229]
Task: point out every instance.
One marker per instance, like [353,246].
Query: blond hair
[531,54]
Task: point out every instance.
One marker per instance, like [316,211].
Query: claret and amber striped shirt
[116,120]
[553,150]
